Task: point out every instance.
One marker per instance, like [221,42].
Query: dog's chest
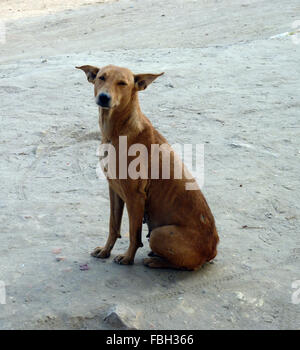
[115,184]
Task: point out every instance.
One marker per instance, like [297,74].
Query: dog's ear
[141,81]
[90,71]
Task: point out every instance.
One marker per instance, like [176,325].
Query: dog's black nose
[104,100]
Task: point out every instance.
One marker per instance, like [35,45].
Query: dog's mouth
[104,107]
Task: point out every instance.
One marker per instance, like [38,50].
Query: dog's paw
[150,262]
[159,263]
[100,252]
[123,259]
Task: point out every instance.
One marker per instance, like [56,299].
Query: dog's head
[114,86]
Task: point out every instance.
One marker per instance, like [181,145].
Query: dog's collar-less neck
[104,124]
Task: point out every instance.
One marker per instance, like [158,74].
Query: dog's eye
[102,77]
[122,83]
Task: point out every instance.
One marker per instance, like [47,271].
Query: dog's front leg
[116,213]
[135,209]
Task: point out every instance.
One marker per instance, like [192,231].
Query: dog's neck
[121,122]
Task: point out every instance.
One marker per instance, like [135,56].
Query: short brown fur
[183,232]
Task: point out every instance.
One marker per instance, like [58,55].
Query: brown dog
[183,233]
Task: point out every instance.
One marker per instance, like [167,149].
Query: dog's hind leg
[177,247]
[151,253]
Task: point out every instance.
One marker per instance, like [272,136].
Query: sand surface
[229,84]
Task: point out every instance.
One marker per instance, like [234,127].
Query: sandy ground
[228,84]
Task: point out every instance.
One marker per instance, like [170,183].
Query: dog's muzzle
[103,100]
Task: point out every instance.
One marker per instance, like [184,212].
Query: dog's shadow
[175,281]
